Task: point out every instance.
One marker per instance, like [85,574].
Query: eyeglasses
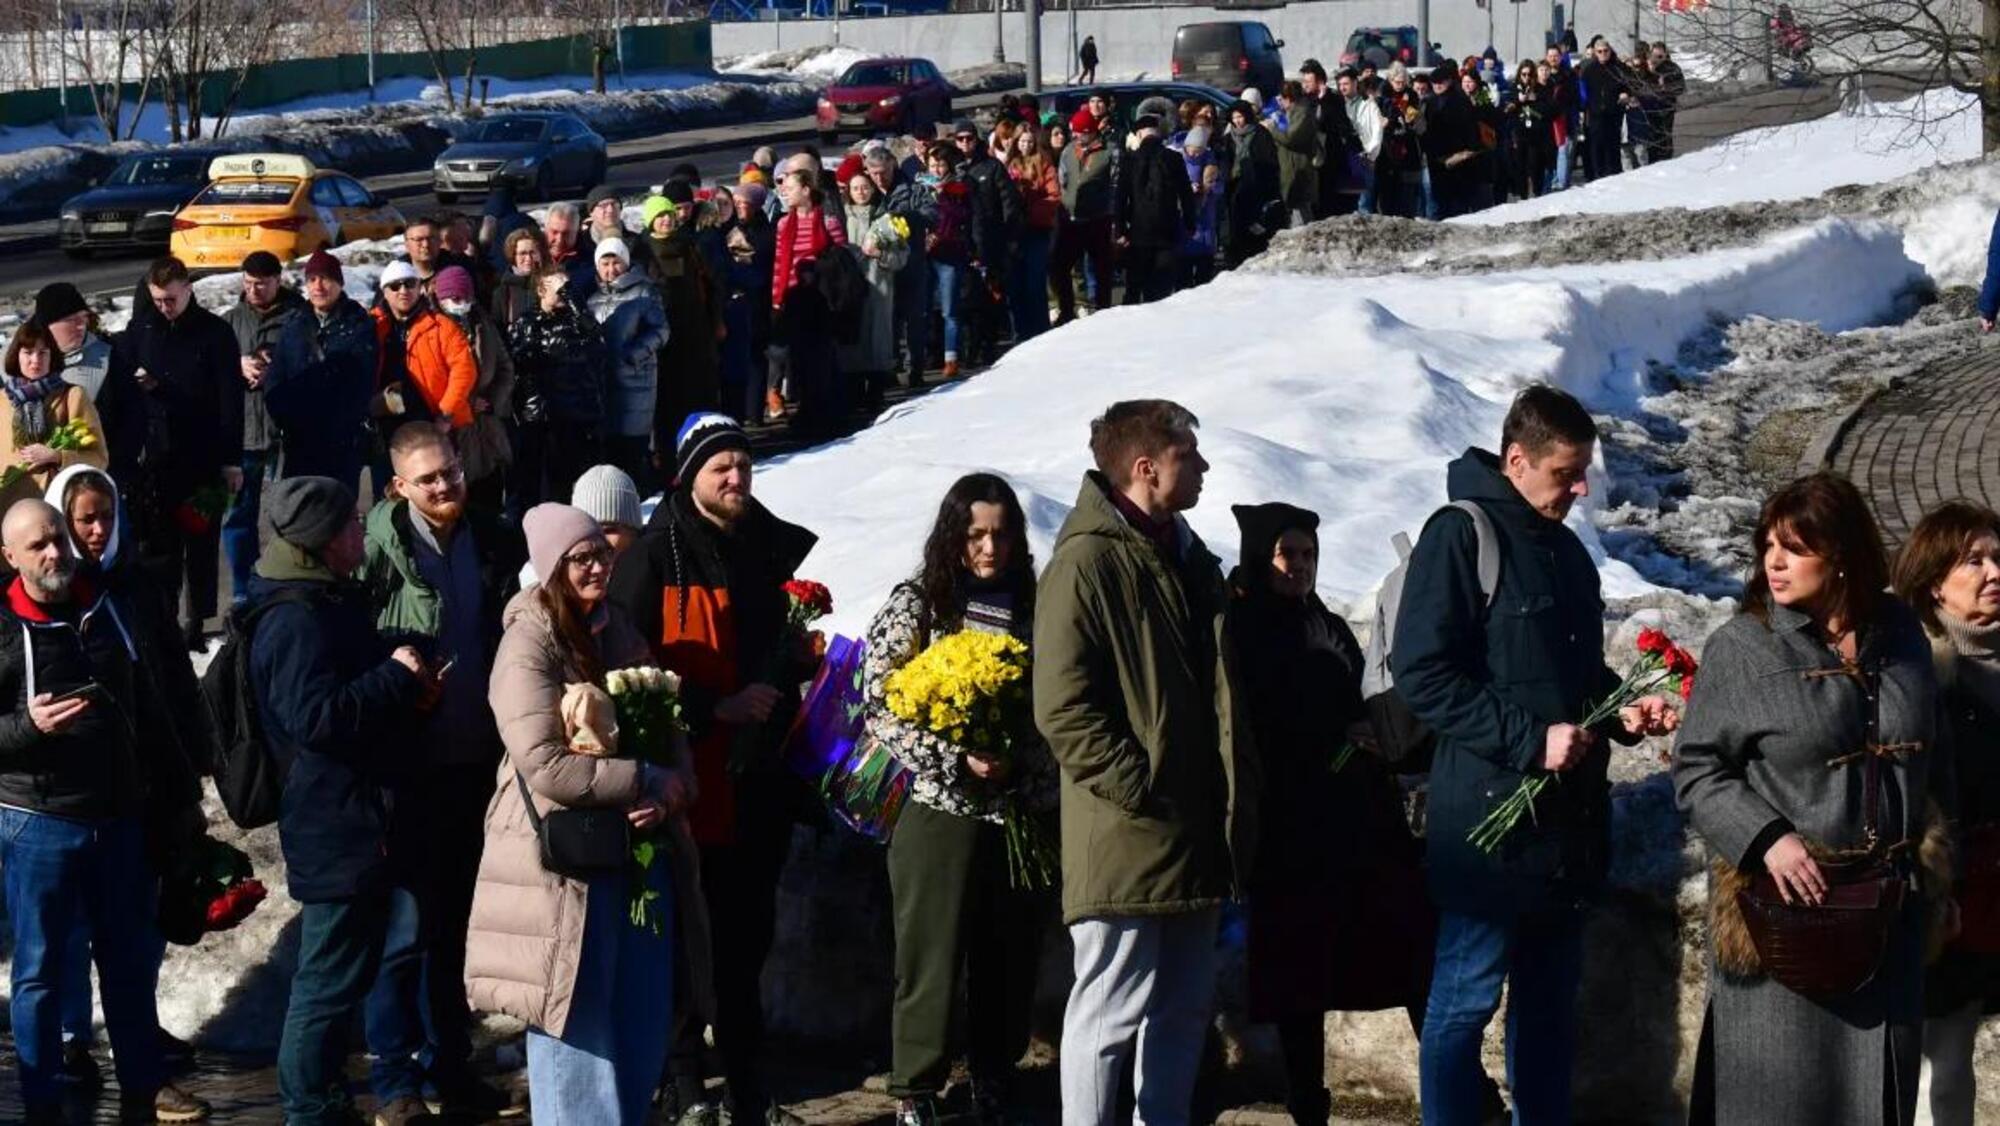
[396,285]
[449,475]
[594,557]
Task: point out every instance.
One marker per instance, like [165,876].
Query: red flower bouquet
[793,661]
[1662,667]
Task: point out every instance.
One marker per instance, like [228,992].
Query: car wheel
[446,198]
[545,185]
[828,138]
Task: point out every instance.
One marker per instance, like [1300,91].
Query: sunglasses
[592,557]
[395,285]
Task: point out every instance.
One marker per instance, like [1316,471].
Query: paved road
[1933,437]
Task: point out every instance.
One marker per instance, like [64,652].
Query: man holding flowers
[1504,682]
[706,586]
[1133,691]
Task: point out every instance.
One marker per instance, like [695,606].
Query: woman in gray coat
[1772,768]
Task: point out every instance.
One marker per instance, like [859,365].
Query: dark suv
[1229,55]
[1380,46]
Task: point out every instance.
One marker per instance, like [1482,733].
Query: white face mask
[455,308]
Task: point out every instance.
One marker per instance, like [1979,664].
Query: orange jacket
[439,360]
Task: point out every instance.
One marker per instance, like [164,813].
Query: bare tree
[103,49]
[201,45]
[1868,45]
[598,22]
[442,28]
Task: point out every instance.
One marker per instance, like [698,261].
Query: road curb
[1818,454]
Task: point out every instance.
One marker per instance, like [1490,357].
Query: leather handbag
[1833,948]
[578,844]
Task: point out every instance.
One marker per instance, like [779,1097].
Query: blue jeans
[1028,288]
[604,1068]
[340,948]
[59,875]
[1559,179]
[1366,204]
[393,1017]
[1542,957]
[944,284]
[239,524]
[1428,196]
[76,1010]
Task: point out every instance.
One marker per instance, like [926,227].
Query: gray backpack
[1407,741]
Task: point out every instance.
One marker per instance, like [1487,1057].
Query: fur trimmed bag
[1735,953]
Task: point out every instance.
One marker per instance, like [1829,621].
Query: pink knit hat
[552,529]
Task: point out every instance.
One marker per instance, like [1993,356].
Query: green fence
[679,46]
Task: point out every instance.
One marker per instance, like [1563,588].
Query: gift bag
[862,783]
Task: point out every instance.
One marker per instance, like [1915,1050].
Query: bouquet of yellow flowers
[648,701]
[971,689]
[71,435]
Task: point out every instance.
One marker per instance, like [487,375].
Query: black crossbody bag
[579,843]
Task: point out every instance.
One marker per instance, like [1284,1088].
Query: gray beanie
[307,512]
[552,529]
[607,495]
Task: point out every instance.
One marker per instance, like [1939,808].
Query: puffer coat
[634,324]
[525,938]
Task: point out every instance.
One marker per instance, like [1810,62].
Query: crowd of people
[517,388]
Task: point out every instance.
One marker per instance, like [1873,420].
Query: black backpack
[249,781]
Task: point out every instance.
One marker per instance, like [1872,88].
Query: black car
[1229,55]
[536,152]
[1127,96]
[133,208]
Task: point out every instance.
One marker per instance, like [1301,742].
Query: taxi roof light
[260,165]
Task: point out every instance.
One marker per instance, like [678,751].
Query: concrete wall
[1136,40]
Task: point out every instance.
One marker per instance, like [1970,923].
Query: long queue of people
[1201,740]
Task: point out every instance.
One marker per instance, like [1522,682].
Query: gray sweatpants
[1144,985]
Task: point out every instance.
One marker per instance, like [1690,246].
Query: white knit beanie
[608,495]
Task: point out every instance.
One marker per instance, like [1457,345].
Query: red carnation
[235,904]
[1680,662]
[1654,641]
[811,597]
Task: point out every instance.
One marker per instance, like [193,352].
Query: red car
[884,96]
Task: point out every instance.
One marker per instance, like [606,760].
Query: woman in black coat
[1338,918]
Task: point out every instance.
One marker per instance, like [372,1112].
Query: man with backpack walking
[74,813]
[336,709]
[1500,666]
[1134,691]
[437,576]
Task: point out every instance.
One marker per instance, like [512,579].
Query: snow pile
[1269,365]
[823,62]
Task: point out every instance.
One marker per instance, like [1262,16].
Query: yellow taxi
[276,202]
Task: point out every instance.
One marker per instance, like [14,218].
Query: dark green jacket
[406,607]
[1134,692]
[1298,159]
[1491,681]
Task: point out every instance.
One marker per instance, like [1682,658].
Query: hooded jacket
[1298,158]
[634,324]
[180,748]
[712,603]
[556,366]
[1136,694]
[338,715]
[526,933]
[1086,179]
[1490,681]
[96,768]
[322,376]
[437,358]
[1156,206]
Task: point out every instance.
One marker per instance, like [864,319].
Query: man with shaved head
[75,786]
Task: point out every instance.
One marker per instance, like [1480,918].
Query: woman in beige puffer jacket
[563,954]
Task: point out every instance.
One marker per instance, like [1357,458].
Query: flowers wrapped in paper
[890,236]
[863,784]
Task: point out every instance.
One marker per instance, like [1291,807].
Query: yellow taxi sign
[260,165]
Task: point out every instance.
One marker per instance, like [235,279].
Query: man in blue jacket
[1989,291]
[1500,680]
[337,708]
[321,377]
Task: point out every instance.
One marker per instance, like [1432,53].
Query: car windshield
[247,193]
[871,74]
[1386,40]
[144,171]
[1210,37]
[507,130]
